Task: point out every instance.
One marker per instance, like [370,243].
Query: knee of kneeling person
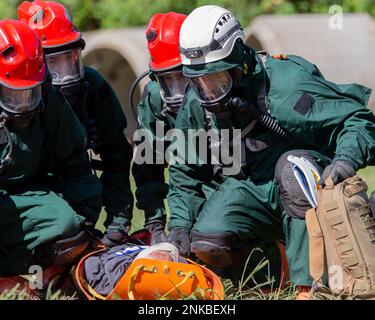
[218,249]
[284,164]
[292,197]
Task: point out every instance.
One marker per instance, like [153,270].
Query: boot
[157,229]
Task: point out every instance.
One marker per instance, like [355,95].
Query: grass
[138,215]
[240,292]
[367,174]
[256,293]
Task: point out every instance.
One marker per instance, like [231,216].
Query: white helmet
[208,34]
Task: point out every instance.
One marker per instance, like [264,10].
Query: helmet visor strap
[173,86]
[20,101]
[65,67]
[212,87]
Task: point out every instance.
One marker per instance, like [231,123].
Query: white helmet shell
[208,34]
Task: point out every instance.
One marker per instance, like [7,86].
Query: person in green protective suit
[159,105]
[284,107]
[39,226]
[97,107]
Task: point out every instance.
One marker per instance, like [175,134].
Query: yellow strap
[187,276]
[94,293]
[134,275]
[316,245]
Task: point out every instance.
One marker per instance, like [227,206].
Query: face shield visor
[20,101]
[173,86]
[212,87]
[65,67]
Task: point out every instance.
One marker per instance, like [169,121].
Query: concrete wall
[120,56]
[343,56]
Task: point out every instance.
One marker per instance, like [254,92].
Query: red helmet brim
[21,84]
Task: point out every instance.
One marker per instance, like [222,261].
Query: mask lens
[173,86]
[212,87]
[65,67]
[20,101]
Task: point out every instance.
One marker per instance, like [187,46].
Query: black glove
[93,233]
[180,238]
[116,236]
[93,135]
[339,170]
[156,227]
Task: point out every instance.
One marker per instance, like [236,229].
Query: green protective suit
[149,178]
[115,151]
[330,120]
[31,212]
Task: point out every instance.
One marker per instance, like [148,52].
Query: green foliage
[8,8]
[94,14]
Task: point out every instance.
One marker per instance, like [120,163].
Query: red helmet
[52,22]
[163,33]
[22,63]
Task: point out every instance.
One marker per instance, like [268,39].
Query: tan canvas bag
[342,238]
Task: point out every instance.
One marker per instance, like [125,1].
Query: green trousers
[253,212]
[29,219]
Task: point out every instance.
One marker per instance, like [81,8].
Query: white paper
[307,176]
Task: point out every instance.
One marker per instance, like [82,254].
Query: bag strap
[316,238]
[329,184]
[316,245]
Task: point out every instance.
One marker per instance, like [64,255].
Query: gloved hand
[180,238]
[156,227]
[339,170]
[93,135]
[116,236]
[93,233]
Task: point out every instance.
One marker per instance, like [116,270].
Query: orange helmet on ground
[149,279]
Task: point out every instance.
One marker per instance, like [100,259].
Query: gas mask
[220,93]
[20,106]
[215,91]
[67,71]
[173,86]
[18,110]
